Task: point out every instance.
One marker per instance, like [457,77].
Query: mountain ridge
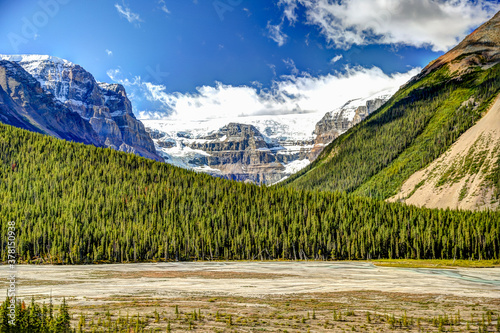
[416,126]
[105,107]
[25,105]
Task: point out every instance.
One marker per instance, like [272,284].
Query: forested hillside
[80,204]
[414,128]
[417,125]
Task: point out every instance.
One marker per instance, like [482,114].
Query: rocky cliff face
[134,137]
[23,103]
[105,107]
[261,149]
[336,122]
[235,151]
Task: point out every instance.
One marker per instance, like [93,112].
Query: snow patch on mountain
[349,108]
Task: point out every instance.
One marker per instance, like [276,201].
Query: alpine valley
[101,202]
[381,215]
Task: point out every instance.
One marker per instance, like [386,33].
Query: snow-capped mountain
[195,144]
[104,106]
[338,121]
[292,141]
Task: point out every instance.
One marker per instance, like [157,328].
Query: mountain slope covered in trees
[74,203]
[466,176]
[420,122]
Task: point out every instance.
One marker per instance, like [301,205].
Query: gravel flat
[247,279]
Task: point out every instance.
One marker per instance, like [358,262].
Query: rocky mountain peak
[350,114]
[480,48]
[104,106]
[24,104]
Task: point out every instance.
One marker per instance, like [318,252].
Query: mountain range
[435,142]
[54,96]
[258,149]
[64,100]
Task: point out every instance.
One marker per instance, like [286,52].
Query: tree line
[77,204]
[34,318]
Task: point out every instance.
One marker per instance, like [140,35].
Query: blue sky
[162,49]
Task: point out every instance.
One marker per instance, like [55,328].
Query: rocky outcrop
[240,152]
[364,111]
[134,137]
[24,104]
[236,151]
[105,107]
[336,122]
[480,48]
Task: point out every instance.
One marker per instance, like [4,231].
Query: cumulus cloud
[411,22]
[125,12]
[290,95]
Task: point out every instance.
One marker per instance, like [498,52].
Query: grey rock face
[24,104]
[104,106]
[240,151]
[334,123]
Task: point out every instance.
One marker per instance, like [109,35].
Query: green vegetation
[34,318]
[415,127]
[234,315]
[436,263]
[81,204]
[494,176]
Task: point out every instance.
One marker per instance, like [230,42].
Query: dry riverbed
[269,296]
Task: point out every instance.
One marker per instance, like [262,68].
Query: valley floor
[270,296]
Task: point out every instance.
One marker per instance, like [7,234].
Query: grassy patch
[436,263]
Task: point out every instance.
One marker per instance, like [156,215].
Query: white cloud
[290,9]
[275,33]
[163,6]
[291,95]
[336,58]
[125,12]
[109,53]
[272,67]
[439,24]
[291,66]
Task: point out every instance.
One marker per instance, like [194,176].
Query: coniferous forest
[35,317]
[80,204]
